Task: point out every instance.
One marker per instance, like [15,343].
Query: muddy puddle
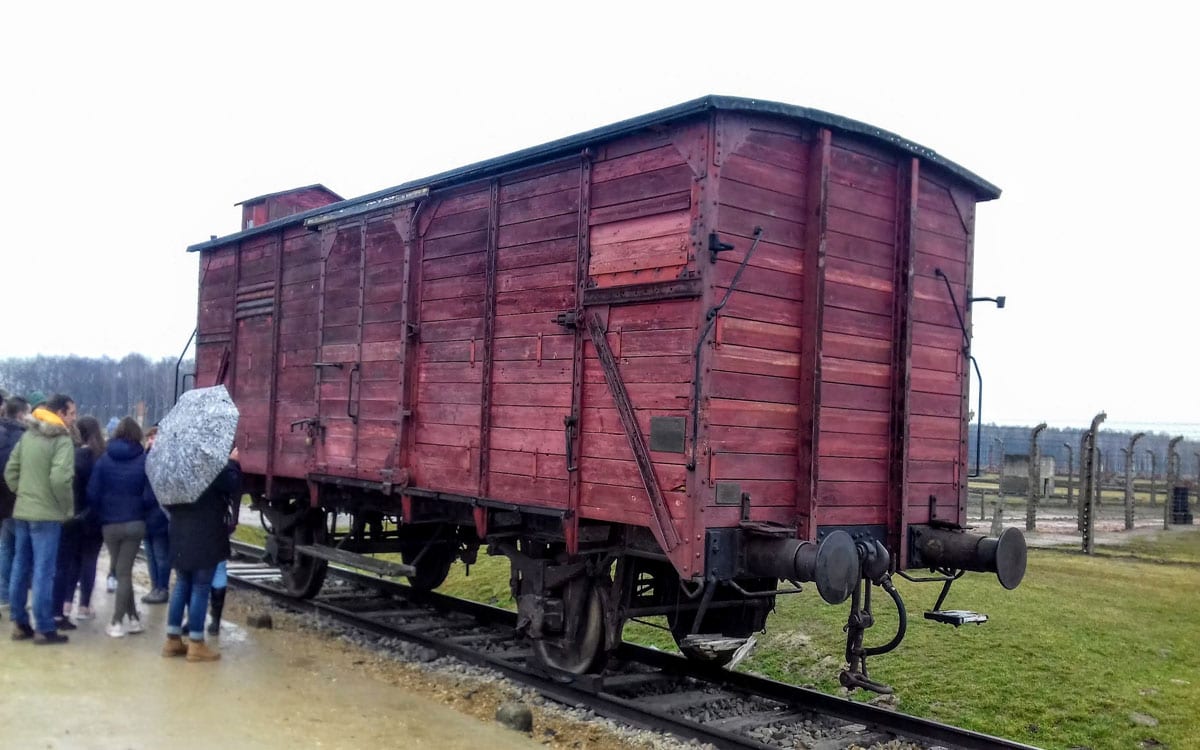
[271,690]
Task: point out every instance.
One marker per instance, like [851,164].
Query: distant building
[1014,475]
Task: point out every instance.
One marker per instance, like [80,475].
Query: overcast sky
[131,130]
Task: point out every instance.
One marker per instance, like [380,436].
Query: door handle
[352,413]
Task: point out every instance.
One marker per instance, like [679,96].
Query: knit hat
[36,399]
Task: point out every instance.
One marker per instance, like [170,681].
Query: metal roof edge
[563,146]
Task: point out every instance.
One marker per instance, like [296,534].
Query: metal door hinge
[567,320]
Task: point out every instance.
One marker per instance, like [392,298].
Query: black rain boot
[217,603]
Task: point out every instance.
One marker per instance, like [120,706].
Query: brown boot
[174,646]
[199,651]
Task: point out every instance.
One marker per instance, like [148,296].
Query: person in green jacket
[40,472]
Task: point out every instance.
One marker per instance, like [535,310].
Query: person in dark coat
[157,546]
[199,540]
[12,426]
[79,547]
[117,495]
[66,573]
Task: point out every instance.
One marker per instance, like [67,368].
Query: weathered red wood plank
[746,171]
[854,372]
[531,491]
[861,172]
[843,346]
[553,347]
[760,387]
[528,441]
[636,163]
[753,413]
[936,405]
[538,230]
[840,245]
[546,276]
[524,371]
[862,202]
[451,330]
[849,445]
[943,247]
[528,418]
[449,372]
[833,515]
[756,199]
[838,469]
[433,248]
[934,381]
[640,208]
[541,301]
[841,396]
[929,358]
[930,449]
[753,466]
[536,254]
[448,393]
[726,439]
[857,421]
[636,187]
[661,225]
[757,334]
[937,336]
[549,396]
[938,428]
[759,281]
[752,360]
[540,207]
[749,306]
[856,323]
[779,231]
[462,415]
[654,315]
[521,187]
[642,254]
[852,494]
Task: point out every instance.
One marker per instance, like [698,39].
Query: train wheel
[581,649]
[304,577]
[432,566]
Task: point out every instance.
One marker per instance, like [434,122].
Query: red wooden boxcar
[661,365]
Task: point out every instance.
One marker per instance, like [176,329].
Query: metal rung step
[956,617]
[355,560]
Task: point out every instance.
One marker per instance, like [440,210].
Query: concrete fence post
[1172,479]
[1035,478]
[1129,455]
[1090,491]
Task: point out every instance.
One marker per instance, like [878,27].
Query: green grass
[1064,661]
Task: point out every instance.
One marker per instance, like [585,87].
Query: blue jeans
[158,560]
[33,565]
[8,547]
[191,591]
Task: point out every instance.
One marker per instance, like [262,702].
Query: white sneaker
[111,584]
[84,613]
[115,630]
[134,627]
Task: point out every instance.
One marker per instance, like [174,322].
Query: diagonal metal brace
[665,529]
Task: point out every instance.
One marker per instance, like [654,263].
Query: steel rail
[590,690]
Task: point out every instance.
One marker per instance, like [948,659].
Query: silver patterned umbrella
[192,445]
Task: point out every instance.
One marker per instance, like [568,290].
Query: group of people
[67,491]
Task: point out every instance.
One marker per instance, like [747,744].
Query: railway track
[643,687]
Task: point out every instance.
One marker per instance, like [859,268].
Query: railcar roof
[565,146]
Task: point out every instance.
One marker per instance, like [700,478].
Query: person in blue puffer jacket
[117,495]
